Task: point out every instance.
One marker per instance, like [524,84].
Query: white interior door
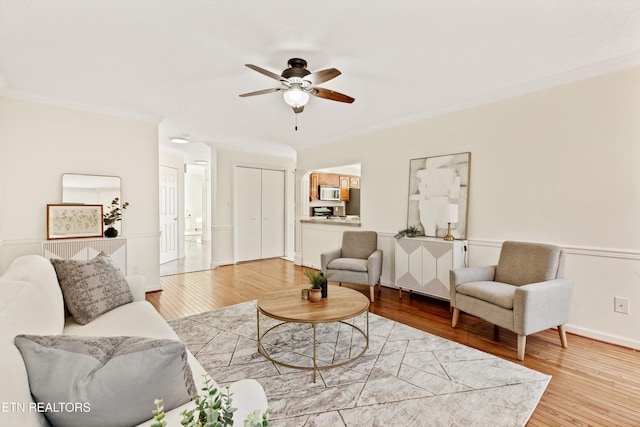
[168,214]
[273,217]
[248,213]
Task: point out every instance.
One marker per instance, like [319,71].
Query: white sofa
[31,302]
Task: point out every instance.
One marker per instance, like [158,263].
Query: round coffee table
[288,306]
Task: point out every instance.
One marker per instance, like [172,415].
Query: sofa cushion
[139,319]
[91,288]
[351,264]
[30,303]
[98,381]
[497,293]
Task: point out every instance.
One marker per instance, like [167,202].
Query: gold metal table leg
[364,332]
[315,361]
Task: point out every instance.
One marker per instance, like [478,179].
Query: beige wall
[40,142]
[558,166]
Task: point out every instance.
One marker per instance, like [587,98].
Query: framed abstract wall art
[438,186]
[71,221]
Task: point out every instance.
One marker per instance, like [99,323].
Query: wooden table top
[287,305]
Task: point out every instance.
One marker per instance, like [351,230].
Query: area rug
[406,377]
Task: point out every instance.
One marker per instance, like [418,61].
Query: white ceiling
[183,61]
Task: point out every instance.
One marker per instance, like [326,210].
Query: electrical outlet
[621,305]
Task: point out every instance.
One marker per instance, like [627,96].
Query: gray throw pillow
[104,381]
[91,288]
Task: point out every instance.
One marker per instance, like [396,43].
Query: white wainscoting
[316,239]
[599,275]
[222,245]
[86,249]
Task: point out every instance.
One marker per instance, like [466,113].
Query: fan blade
[266,72]
[298,109]
[331,94]
[261,92]
[322,76]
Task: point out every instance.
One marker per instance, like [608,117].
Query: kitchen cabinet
[422,264]
[318,179]
[344,188]
[329,179]
[313,186]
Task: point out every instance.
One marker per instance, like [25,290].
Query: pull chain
[296,125]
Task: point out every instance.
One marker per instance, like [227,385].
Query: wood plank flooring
[593,384]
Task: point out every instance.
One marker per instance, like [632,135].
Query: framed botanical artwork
[71,221]
[439,194]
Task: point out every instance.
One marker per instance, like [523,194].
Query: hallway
[197,258]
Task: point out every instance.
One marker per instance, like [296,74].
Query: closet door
[272,213]
[248,213]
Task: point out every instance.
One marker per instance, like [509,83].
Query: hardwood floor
[593,384]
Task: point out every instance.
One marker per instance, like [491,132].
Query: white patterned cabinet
[422,264]
[86,249]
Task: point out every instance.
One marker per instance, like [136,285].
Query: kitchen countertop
[348,221]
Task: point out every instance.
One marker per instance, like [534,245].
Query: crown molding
[554,80]
[10,93]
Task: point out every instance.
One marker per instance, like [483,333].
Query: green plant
[158,414]
[115,212]
[213,409]
[412,231]
[316,278]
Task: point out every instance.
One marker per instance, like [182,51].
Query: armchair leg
[456,314]
[563,336]
[372,293]
[522,342]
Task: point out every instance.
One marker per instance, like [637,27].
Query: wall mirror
[90,189]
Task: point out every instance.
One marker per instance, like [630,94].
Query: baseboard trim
[602,336]
[153,288]
[221,263]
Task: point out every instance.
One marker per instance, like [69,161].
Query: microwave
[329,193]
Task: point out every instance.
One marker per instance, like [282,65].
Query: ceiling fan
[298,83]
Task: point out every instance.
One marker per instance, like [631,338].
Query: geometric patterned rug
[406,377]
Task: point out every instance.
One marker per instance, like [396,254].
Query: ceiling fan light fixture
[296,97]
[179,139]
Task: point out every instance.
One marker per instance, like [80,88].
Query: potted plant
[112,216]
[412,231]
[213,409]
[318,283]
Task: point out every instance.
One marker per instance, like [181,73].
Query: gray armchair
[358,261]
[525,293]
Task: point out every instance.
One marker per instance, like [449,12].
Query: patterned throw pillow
[91,288]
[104,381]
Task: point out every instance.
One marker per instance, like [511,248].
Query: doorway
[195,236]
